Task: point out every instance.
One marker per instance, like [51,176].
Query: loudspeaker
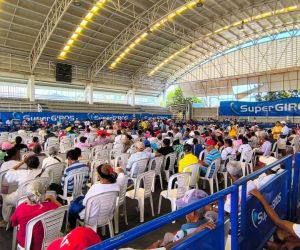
[63,72]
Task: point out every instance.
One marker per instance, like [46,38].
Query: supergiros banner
[54,117]
[281,107]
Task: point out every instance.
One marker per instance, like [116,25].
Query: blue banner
[54,117]
[281,107]
[258,224]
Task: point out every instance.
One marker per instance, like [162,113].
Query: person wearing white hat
[282,139]
[285,129]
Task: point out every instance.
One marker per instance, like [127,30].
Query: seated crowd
[92,160]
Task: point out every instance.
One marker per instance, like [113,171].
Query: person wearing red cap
[78,239]
[213,154]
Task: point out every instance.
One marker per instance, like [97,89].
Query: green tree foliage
[274,95]
[176,97]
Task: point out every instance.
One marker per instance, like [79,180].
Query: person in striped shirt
[213,154]
[73,166]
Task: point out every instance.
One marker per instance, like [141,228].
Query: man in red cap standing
[213,154]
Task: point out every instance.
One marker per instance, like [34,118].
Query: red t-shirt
[25,213]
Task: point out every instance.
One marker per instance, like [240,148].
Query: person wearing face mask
[107,183]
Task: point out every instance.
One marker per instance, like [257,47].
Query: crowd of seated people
[141,140]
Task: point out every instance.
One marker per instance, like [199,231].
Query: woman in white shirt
[11,159]
[228,149]
[19,176]
[107,183]
[52,158]
[245,147]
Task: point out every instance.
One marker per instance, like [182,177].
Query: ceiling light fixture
[199,5]
[77,3]
[153,28]
[238,24]
[84,22]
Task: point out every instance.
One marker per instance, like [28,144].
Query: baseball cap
[210,142]
[78,239]
[146,143]
[7,146]
[190,197]
[283,122]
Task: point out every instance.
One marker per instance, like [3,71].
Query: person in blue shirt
[197,148]
[212,155]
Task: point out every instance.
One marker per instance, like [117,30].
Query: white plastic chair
[121,160]
[247,162]
[101,155]
[22,188]
[172,159]
[55,172]
[93,170]
[96,149]
[211,175]
[15,229]
[52,142]
[223,168]
[274,150]
[22,191]
[132,150]
[103,206]
[194,170]
[203,154]
[140,194]
[156,164]
[65,147]
[78,185]
[121,201]
[108,146]
[52,223]
[2,176]
[114,153]
[138,168]
[85,153]
[173,194]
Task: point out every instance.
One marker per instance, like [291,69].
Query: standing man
[276,130]
[282,139]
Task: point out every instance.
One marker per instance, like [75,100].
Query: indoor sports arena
[149,124]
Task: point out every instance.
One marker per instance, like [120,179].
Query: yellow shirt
[144,125]
[275,130]
[187,160]
[233,131]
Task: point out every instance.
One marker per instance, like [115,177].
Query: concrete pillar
[163,98]
[31,88]
[130,96]
[133,97]
[89,98]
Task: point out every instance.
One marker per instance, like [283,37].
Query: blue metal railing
[280,184]
[289,191]
[148,227]
[295,187]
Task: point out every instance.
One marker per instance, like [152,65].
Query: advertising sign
[281,107]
